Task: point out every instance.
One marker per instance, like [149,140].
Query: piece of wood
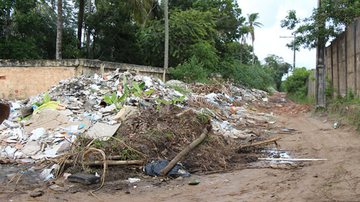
[254,144]
[185,151]
[283,159]
[111,163]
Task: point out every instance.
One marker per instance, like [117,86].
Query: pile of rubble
[47,126]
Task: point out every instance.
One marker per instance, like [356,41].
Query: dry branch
[260,142]
[110,162]
[185,151]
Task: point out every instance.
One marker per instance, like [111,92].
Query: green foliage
[136,89]
[191,71]
[278,68]
[295,85]
[204,35]
[46,98]
[203,117]
[188,28]
[174,101]
[253,76]
[207,54]
[180,89]
[115,99]
[335,15]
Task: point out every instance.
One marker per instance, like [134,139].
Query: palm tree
[251,24]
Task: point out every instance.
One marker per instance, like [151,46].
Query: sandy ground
[336,179]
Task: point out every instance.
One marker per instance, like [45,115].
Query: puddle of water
[276,154]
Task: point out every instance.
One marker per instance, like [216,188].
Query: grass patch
[301,99]
[346,108]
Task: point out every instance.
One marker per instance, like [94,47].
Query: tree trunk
[52,2]
[166,53]
[88,49]
[320,65]
[253,55]
[80,21]
[59,29]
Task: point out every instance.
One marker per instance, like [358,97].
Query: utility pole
[320,64]
[166,52]
[294,47]
[59,30]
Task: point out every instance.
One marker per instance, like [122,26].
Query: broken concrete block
[126,112]
[57,149]
[48,119]
[31,148]
[37,134]
[26,111]
[102,130]
[10,124]
[10,151]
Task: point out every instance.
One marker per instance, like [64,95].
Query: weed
[180,89]
[203,118]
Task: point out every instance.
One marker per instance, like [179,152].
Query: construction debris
[137,119]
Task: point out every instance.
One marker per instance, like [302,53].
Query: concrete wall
[342,60]
[21,79]
[311,84]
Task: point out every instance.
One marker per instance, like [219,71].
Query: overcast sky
[267,38]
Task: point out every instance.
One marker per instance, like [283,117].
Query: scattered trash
[48,173]
[132,110]
[84,178]
[133,180]
[37,193]
[154,168]
[102,130]
[194,182]
[336,125]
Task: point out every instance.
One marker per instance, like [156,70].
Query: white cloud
[267,38]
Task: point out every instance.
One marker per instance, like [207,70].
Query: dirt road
[336,179]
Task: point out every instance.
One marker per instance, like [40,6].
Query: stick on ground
[260,142]
[185,151]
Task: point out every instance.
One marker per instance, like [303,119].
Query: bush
[190,71]
[253,76]
[295,85]
[207,53]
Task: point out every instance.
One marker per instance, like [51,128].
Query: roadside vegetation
[296,86]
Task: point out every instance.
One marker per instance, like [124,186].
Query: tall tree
[251,24]
[278,68]
[327,21]
[166,52]
[59,30]
[80,22]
